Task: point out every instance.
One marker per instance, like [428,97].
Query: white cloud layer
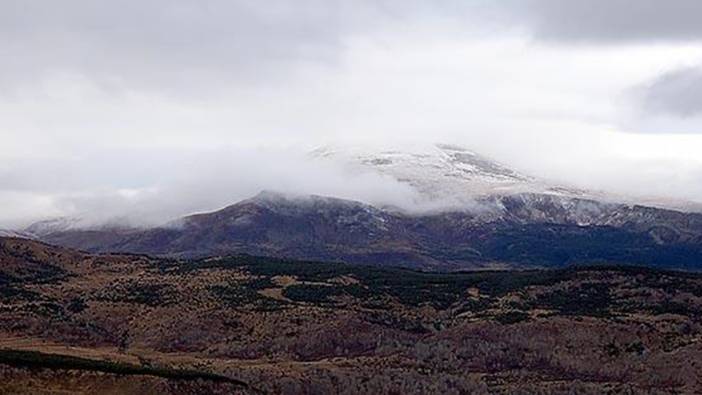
[156,109]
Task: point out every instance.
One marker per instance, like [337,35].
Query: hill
[289,327]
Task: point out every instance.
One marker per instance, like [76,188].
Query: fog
[160,186]
[145,112]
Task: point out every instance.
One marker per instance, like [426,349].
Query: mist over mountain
[450,208]
[410,177]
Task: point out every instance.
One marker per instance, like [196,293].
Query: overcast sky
[165,107]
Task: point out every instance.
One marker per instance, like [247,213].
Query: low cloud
[178,183]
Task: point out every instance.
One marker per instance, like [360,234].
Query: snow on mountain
[442,178]
[15,233]
[53,225]
[444,172]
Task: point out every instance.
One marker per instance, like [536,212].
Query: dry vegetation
[302,327]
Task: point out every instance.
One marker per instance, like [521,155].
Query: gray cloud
[611,20]
[677,93]
[162,44]
[182,47]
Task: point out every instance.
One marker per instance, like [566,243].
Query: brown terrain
[71,322]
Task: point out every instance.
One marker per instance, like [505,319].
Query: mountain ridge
[333,229]
[502,219]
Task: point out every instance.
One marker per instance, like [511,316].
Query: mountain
[451,176]
[16,233]
[529,230]
[477,214]
[445,172]
[267,224]
[72,322]
[53,225]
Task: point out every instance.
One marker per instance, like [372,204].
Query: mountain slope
[16,233]
[530,231]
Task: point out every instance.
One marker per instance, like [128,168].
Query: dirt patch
[274,293]
[284,281]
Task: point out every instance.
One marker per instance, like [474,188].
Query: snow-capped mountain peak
[446,172]
[53,225]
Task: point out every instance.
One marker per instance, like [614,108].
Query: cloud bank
[163,185]
[162,108]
